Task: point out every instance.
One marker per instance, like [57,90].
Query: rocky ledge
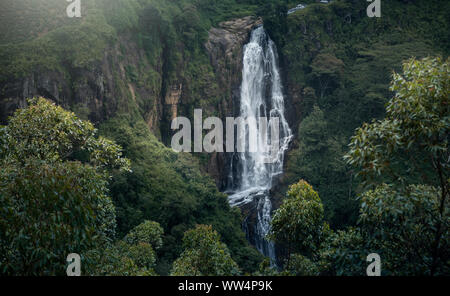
[229,37]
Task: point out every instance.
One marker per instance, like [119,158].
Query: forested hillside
[338,65]
[114,66]
[126,68]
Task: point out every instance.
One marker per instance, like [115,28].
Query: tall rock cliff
[128,79]
[225,49]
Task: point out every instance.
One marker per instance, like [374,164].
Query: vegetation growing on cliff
[336,65]
[164,186]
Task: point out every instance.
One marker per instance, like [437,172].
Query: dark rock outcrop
[225,48]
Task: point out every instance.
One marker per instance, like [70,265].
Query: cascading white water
[251,177]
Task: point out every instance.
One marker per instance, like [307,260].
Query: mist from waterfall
[251,178]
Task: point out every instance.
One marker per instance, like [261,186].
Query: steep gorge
[132,79]
[128,82]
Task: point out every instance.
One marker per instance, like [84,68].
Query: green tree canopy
[401,225]
[204,255]
[52,204]
[408,220]
[413,138]
[47,132]
[298,223]
[134,255]
[147,232]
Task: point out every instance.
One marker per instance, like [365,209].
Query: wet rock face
[14,93]
[225,49]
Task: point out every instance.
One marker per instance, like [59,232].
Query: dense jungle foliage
[367,171]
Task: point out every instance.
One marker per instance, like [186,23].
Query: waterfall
[251,178]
